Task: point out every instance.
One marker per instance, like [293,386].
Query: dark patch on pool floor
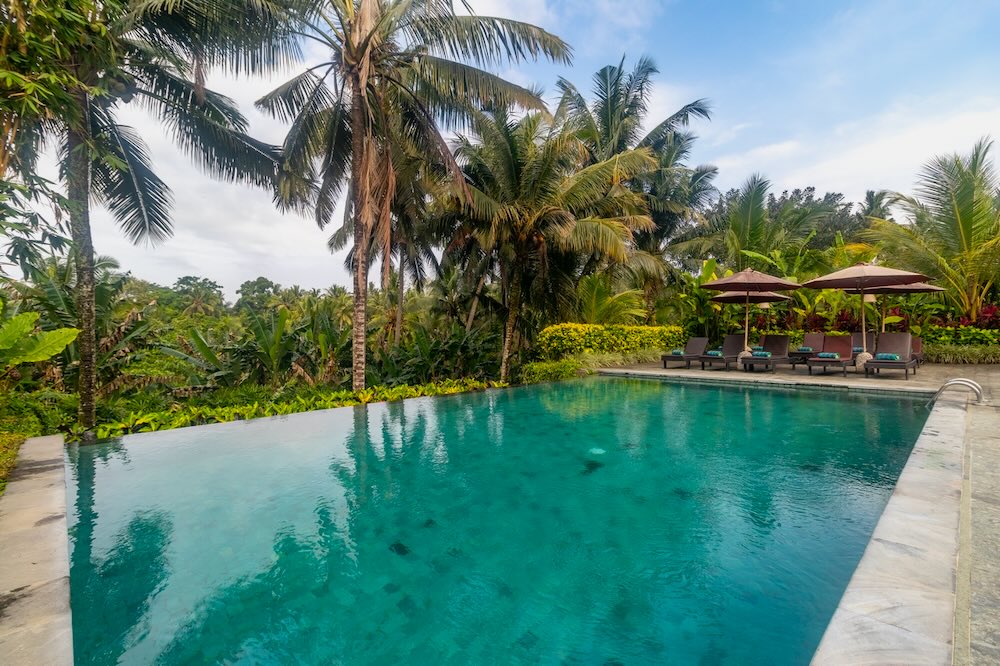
[399,548]
[430,522]
[528,640]
[682,493]
[591,466]
[390,588]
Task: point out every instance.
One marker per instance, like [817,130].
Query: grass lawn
[9,444]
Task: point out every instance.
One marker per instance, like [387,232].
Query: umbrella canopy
[749,297]
[914,288]
[864,277]
[751,280]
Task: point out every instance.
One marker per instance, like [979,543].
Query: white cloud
[537,12]
[755,159]
[881,151]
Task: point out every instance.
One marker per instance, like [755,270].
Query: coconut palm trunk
[513,310]
[400,297]
[475,302]
[78,192]
[360,193]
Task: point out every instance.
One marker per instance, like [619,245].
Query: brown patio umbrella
[915,288]
[750,280]
[748,297]
[862,279]
[746,282]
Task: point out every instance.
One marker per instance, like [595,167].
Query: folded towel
[714,352]
[857,350]
[757,348]
[761,354]
[677,352]
[806,349]
[886,357]
[833,355]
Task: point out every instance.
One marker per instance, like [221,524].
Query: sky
[845,96]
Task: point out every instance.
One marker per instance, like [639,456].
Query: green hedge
[561,340]
[189,415]
[10,442]
[957,335]
[550,371]
[971,354]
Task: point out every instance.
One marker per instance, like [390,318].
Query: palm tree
[600,304]
[613,123]
[539,212]
[953,234]
[390,62]
[675,193]
[744,228]
[157,56]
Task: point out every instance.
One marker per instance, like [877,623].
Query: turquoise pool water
[600,521]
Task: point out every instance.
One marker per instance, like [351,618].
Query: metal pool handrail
[959,381]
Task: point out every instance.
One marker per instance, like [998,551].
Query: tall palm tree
[613,122]
[390,61]
[155,54]
[535,207]
[953,234]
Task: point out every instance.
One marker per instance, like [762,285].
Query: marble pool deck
[35,622]
[927,590]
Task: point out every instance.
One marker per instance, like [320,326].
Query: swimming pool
[597,521]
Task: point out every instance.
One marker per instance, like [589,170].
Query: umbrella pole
[883,312]
[746,324]
[864,338]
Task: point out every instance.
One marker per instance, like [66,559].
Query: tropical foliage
[531,244]
[953,234]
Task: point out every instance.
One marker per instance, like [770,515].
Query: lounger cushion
[713,352]
[832,355]
[762,354]
[886,357]
[805,349]
[857,350]
[677,352]
[757,348]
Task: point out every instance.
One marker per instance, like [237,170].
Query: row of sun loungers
[890,351]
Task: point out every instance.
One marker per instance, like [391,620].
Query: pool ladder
[959,381]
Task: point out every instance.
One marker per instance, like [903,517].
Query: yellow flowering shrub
[562,340]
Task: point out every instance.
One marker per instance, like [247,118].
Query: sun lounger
[856,346]
[838,345]
[918,350]
[731,348]
[898,345]
[777,348]
[692,351]
[811,344]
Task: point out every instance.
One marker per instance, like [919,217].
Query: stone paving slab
[35,621]
[984,569]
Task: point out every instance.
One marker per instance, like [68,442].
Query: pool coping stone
[35,622]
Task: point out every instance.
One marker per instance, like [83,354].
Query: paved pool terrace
[927,589]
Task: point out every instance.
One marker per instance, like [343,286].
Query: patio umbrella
[862,279]
[750,280]
[744,284]
[915,288]
[748,297]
